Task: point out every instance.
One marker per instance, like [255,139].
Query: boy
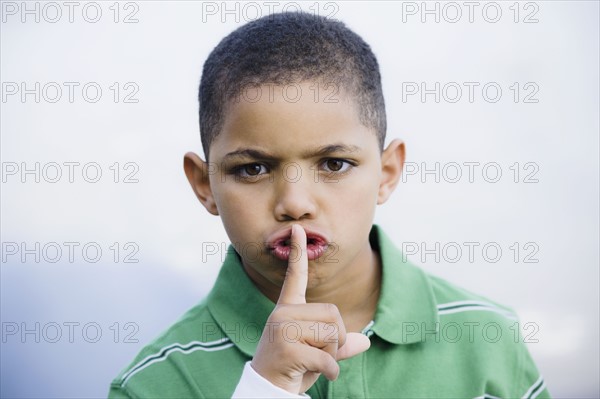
[312,298]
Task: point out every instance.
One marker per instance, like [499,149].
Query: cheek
[364,189]
[232,207]
[240,208]
[361,206]
[353,204]
[363,200]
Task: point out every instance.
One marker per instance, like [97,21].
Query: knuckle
[279,313]
[323,359]
[332,311]
[326,362]
[288,351]
[331,332]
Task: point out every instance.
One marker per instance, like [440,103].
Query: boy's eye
[252,169]
[336,165]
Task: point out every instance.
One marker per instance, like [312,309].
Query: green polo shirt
[429,339]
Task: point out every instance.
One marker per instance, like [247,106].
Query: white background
[162,55]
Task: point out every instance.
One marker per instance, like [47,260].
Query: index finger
[293,290]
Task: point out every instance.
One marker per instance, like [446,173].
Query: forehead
[290,118]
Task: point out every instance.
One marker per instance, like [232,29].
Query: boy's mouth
[280,245]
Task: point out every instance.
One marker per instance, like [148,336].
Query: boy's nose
[294,199]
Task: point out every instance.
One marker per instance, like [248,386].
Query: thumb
[355,343]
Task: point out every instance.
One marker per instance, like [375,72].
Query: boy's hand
[300,340]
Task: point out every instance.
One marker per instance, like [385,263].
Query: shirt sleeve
[117,393]
[531,384]
[253,385]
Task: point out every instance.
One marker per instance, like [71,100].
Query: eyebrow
[312,153]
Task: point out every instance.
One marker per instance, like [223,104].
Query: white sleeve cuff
[253,385]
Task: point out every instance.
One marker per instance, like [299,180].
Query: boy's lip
[278,243]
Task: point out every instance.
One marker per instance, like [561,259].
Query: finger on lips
[293,290]
[318,327]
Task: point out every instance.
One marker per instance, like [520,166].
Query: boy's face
[278,162]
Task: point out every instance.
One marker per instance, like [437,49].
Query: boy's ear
[392,163]
[197,172]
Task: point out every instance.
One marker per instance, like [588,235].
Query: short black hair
[290,47]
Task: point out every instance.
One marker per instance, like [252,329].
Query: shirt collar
[240,309]
[406,306]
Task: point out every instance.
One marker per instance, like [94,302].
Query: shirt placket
[351,381]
